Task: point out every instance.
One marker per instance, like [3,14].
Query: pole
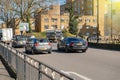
[21,10]
[111,20]
[97,21]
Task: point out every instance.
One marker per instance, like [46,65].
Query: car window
[43,40]
[75,39]
[31,40]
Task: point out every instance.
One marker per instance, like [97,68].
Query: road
[95,64]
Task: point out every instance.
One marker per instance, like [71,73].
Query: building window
[67,20]
[94,33]
[87,34]
[94,20]
[80,19]
[94,27]
[82,2]
[82,8]
[87,27]
[87,20]
[46,19]
[46,26]
[90,12]
[54,26]
[54,19]
[62,20]
[51,7]
[75,5]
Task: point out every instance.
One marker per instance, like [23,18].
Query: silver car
[34,45]
[19,41]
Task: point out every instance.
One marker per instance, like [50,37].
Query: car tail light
[36,44]
[72,44]
[49,44]
[86,44]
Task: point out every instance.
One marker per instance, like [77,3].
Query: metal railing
[106,40]
[27,68]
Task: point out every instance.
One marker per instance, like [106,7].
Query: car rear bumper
[43,50]
[78,48]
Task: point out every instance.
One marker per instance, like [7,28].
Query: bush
[66,34]
[43,34]
[38,34]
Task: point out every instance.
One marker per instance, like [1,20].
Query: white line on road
[81,76]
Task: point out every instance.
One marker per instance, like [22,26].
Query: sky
[62,1]
[116,0]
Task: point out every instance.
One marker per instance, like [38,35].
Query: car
[72,44]
[18,41]
[35,45]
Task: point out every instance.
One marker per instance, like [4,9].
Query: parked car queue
[34,45]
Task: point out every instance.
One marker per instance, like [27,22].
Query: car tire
[58,48]
[84,50]
[26,51]
[49,52]
[12,45]
[66,49]
[32,51]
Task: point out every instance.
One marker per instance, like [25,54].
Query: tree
[73,19]
[6,14]
[27,8]
[23,9]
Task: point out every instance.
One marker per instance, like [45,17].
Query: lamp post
[97,21]
[111,20]
[21,12]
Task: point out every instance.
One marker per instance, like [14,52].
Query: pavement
[4,75]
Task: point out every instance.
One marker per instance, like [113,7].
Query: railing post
[24,67]
[16,65]
[40,69]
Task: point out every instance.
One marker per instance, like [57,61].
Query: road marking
[80,76]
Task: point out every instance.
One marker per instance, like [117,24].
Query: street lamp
[21,12]
[97,21]
[111,20]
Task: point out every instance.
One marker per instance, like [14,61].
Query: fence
[115,47]
[27,68]
[105,40]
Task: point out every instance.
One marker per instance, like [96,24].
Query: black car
[72,44]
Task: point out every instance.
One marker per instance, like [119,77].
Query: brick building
[49,19]
[87,10]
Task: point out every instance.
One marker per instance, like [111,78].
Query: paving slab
[4,75]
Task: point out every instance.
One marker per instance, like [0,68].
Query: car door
[30,44]
[63,43]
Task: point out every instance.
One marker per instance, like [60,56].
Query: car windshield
[75,40]
[43,40]
[19,39]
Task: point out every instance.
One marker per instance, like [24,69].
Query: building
[2,25]
[64,20]
[90,11]
[112,19]
[48,19]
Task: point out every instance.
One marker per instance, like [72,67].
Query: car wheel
[26,50]
[32,51]
[58,47]
[12,45]
[84,50]
[49,52]
[66,49]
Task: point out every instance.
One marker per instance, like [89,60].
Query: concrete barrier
[105,46]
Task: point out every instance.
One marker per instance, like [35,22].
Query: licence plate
[21,42]
[43,48]
[79,44]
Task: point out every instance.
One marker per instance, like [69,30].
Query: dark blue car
[72,44]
